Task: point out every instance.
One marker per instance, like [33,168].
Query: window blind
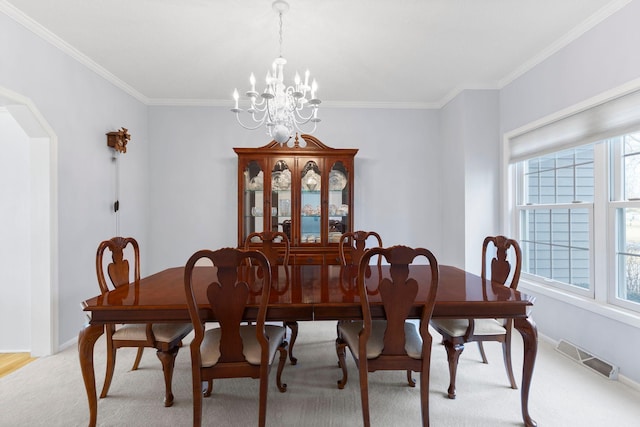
[605,120]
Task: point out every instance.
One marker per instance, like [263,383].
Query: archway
[43,239]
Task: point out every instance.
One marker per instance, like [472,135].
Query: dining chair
[457,332]
[393,343]
[276,247]
[232,349]
[353,245]
[166,338]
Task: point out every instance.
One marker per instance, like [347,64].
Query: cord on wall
[118,141]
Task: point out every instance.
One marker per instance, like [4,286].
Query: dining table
[308,293]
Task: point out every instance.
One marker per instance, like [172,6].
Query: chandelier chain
[280,34]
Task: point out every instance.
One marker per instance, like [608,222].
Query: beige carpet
[50,392]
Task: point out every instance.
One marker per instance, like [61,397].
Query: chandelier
[282,109]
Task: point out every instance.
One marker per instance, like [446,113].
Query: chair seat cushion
[350,333]
[458,327]
[163,332]
[210,346]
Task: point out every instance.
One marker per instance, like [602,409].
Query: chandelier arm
[260,107]
[259,122]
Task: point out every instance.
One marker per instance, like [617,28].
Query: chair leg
[264,385]
[482,353]
[506,353]
[294,334]
[364,392]
[136,362]
[340,322]
[424,396]
[283,359]
[340,351]
[197,398]
[209,389]
[453,354]
[111,363]
[410,380]
[168,358]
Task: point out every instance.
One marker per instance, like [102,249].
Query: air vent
[587,359]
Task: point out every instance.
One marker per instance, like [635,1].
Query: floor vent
[587,359]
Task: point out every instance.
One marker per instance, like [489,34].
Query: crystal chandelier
[282,109]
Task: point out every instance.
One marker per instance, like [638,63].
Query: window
[625,208]
[569,199]
[574,202]
[556,216]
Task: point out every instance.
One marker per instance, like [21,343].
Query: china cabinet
[304,190]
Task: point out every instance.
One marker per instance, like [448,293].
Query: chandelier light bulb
[236,96]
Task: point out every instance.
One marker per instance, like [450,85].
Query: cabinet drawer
[332,259]
[315,259]
[308,259]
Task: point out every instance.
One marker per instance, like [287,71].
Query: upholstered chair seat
[459,327]
[163,332]
[210,347]
[350,334]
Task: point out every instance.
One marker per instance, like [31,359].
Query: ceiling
[393,54]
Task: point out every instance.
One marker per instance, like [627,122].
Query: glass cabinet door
[253,199]
[310,203]
[338,217]
[281,205]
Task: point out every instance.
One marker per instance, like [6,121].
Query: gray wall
[194,175]
[470,176]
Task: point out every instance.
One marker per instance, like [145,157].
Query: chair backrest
[398,293]
[500,267]
[275,246]
[118,270]
[356,242]
[226,286]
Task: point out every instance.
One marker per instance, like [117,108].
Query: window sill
[607,310]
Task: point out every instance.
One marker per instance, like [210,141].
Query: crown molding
[571,36]
[18,16]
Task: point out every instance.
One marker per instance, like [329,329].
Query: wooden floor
[10,362]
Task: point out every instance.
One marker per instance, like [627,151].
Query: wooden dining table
[307,293]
